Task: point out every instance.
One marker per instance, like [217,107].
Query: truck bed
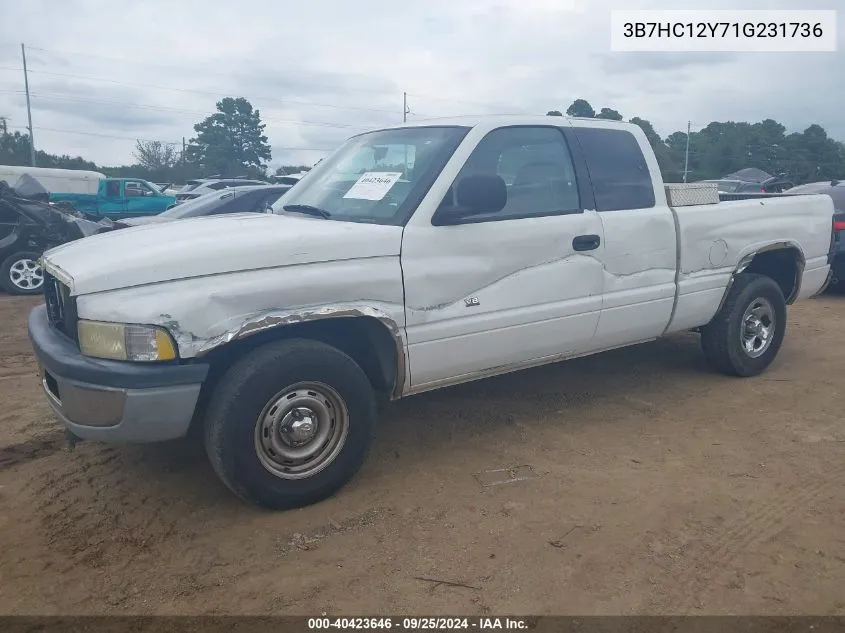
[714,239]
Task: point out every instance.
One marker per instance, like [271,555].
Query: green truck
[119,198]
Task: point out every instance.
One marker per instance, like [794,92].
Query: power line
[124,104]
[197,91]
[205,70]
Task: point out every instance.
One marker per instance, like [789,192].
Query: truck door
[141,199]
[112,202]
[509,288]
[640,250]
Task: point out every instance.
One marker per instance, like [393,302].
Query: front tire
[290,423]
[745,336]
[20,274]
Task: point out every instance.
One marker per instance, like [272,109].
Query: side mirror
[475,195]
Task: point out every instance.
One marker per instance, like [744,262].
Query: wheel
[290,423]
[745,336]
[20,274]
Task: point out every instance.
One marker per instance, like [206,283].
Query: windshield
[376,177]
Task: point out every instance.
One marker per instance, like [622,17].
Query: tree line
[723,147]
[231,143]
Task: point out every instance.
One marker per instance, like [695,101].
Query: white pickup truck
[412,258]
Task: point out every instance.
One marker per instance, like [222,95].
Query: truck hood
[213,245]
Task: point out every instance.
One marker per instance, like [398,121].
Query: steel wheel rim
[26,274]
[301,430]
[758,327]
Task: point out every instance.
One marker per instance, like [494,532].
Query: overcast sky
[321,70]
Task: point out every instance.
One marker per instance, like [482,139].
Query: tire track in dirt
[755,526]
[35,448]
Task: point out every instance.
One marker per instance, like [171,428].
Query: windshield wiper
[307,209]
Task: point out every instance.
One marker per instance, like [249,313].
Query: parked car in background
[196,188]
[94,194]
[251,199]
[836,190]
[725,186]
[118,198]
[775,184]
[290,179]
[510,242]
[29,225]
[166,188]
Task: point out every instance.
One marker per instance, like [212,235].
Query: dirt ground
[645,484]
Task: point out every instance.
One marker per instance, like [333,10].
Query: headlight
[125,342]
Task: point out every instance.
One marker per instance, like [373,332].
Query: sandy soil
[646,484]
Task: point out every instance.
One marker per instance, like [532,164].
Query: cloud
[625,63]
[323,70]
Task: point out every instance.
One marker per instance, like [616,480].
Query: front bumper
[113,401]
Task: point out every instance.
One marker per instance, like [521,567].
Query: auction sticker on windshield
[373,185]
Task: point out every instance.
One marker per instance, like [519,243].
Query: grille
[61,307]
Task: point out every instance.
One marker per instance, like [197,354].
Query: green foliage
[724,147]
[581,108]
[554,113]
[609,113]
[231,142]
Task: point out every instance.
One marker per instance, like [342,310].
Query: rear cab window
[618,170]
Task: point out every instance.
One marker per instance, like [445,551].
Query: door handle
[586,242]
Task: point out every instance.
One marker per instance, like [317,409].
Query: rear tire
[20,274]
[290,423]
[745,336]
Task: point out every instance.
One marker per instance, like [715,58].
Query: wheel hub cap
[300,425]
[26,274]
[758,327]
[301,430]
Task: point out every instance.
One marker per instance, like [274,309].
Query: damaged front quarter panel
[203,314]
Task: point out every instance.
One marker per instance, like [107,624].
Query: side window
[536,166]
[134,189]
[618,171]
[112,188]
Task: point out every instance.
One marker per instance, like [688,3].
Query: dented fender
[748,255]
[280,318]
[205,313]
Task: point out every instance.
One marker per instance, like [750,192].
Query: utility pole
[183,152]
[28,107]
[405,110]
[686,153]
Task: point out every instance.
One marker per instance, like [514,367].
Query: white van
[56,180]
